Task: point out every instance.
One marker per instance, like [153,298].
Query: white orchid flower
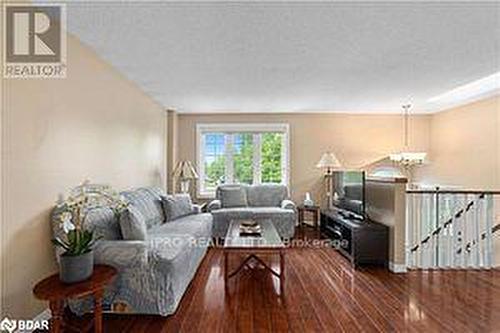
[67,225]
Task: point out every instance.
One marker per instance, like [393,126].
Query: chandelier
[407,158]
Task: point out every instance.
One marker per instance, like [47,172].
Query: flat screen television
[348,193]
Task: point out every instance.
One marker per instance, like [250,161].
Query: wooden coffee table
[268,243]
[53,290]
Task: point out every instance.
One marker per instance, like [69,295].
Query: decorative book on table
[250,228]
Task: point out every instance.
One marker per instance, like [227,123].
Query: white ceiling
[294,57]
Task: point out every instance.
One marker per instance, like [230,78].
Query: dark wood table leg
[282,272]
[301,219]
[98,311]
[56,309]
[316,219]
[226,272]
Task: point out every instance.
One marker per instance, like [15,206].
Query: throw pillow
[233,197]
[133,224]
[176,206]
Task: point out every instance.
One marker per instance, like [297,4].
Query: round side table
[53,290]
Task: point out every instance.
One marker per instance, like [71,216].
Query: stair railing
[450,229]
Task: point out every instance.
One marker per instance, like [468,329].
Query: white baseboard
[397,268]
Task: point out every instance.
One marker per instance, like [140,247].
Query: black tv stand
[360,241]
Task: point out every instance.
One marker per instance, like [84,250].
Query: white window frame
[202,128]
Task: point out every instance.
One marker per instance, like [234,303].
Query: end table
[312,209]
[53,290]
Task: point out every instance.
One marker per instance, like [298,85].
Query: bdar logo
[23,325]
[8,325]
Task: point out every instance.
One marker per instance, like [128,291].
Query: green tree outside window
[243,155]
[271,157]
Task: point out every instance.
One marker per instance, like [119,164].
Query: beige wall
[357,140]
[55,133]
[464,146]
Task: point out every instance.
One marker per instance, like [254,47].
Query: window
[215,159]
[241,153]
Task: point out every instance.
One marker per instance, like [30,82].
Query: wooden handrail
[437,191]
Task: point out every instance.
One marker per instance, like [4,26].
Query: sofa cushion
[234,213]
[173,266]
[196,225]
[263,212]
[133,224]
[148,203]
[176,206]
[104,223]
[166,249]
[251,212]
[266,195]
[283,219]
[233,196]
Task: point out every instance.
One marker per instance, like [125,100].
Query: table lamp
[328,161]
[185,172]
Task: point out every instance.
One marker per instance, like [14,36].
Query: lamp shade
[185,170]
[328,161]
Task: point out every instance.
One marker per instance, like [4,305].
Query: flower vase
[73,269]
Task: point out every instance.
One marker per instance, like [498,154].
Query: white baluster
[459,238]
[466,234]
[482,248]
[435,238]
[432,251]
[428,253]
[414,235]
[489,224]
[476,232]
[418,227]
[452,232]
[446,232]
[410,208]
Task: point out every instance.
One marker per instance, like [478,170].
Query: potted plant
[77,260]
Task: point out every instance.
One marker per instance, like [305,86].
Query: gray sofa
[155,272]
[267,201]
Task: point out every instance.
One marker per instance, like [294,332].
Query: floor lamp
[329,162]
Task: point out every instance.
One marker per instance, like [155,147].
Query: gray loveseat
[267,201]
[155,272]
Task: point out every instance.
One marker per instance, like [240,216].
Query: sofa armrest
[121,254]
[214,205]
[288,204]
[196,209]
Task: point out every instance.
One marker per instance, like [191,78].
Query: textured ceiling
[293,57]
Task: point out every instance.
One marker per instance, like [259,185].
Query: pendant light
[407,158]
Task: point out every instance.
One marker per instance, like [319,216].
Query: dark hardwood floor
[324,294]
